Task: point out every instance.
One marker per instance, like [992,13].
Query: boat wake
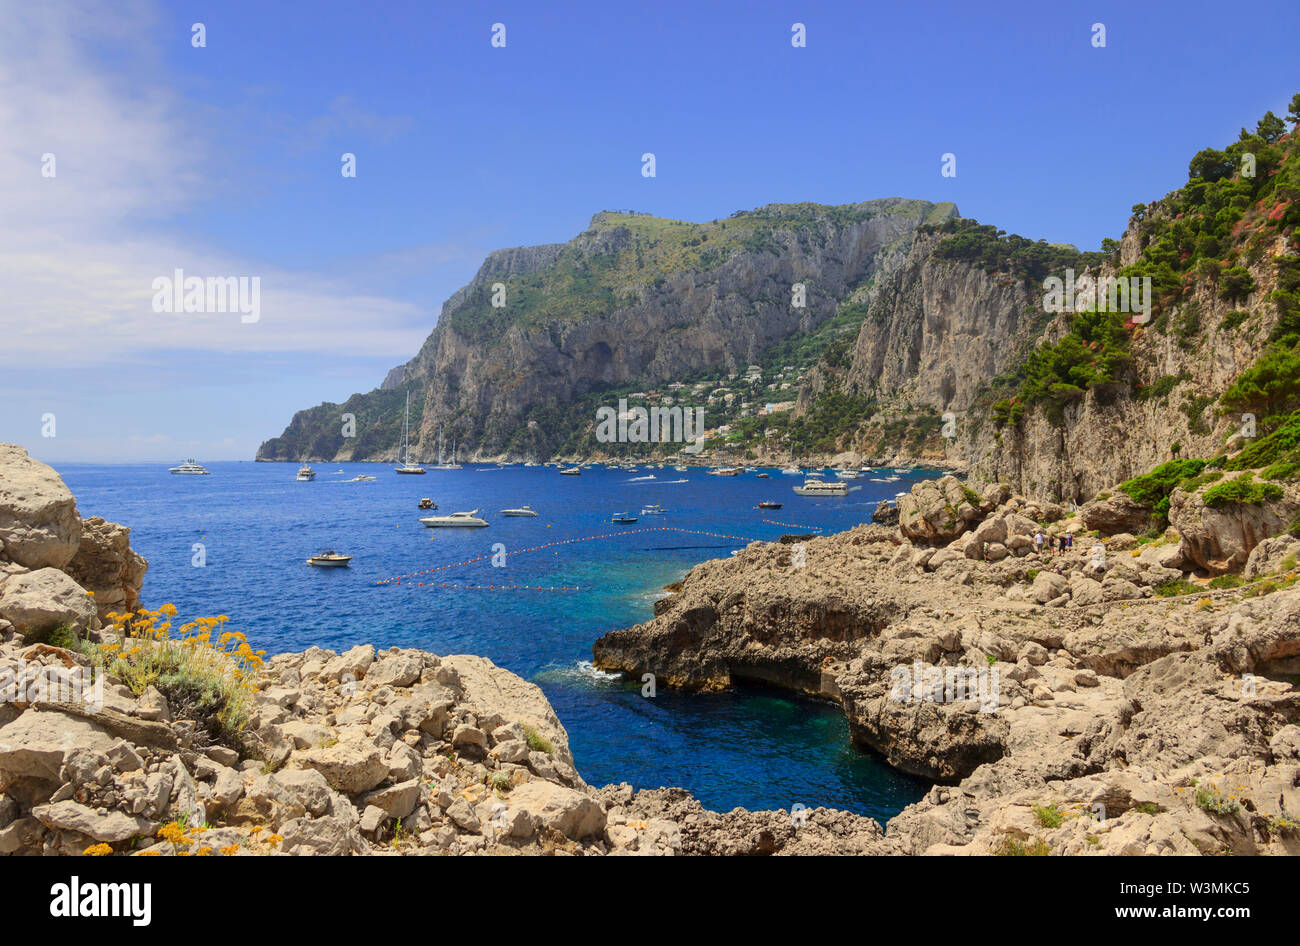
[641,479]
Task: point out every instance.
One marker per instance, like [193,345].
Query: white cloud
[79,252]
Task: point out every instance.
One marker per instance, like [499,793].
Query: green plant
[536,741]
[1242,490]
[1049,816]
[1210,799]
[1177,586]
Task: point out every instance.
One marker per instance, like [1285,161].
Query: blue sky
[225,160]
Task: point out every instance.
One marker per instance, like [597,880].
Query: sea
[531,594]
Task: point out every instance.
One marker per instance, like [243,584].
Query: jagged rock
[106,565]
[886,513]
[1267,557]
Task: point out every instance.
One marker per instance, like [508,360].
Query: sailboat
[407,466]
[453,465]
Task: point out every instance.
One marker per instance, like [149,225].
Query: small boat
[362,478]
[847,474]
[791,471]
[189,468]
[768,504]
[305,474]
[653,509]
[763,476]
[328,558]
[680,469]
[815,487]
[407,466]
[457,520]
[428,503]
[725,471]
[571,471]
[622,517]
[520,512]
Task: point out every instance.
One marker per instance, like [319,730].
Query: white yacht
[189,468]
[725,471]
[791,471]
[813,487]
[521,511]
[362,478]
[407,466]
[653,509]
[572,471]
[457,520]
[305,474]
[847,474]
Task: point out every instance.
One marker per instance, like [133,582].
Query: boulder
[936,511]
[111,826]
[1047,587]
[1219,539]
[1118,512]
[41,600]
[571,813]
[1269,555]
[39,525]
[350,766]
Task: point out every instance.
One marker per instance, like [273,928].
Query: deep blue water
[257,525]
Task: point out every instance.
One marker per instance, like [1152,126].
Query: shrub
[211,683]
[1242,490]
[1210,799]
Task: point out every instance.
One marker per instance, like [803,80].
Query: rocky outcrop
[1219,538]
[55,567]
[39,525]
[1057,699]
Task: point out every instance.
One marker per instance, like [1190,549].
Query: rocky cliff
[1063,404]
[519,354]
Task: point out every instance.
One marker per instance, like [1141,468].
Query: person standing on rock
[1038,541]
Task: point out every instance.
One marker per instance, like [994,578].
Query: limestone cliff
[634,300]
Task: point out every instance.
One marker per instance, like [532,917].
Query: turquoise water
[254,526]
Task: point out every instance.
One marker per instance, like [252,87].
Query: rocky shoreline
[1123,720]
[1118,721]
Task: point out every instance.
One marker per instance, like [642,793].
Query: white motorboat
[361,478]
[846,474]
[791,471]
[622,517]
[457,520]
[680,469]
[407,466]
[189,468]
[812,487]
[571,471]
[521,511]
[305,474]
[653,509]
[725,471]
[328,558]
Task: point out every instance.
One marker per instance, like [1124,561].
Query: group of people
[1053,542]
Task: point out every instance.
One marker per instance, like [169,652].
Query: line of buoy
[792,525]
